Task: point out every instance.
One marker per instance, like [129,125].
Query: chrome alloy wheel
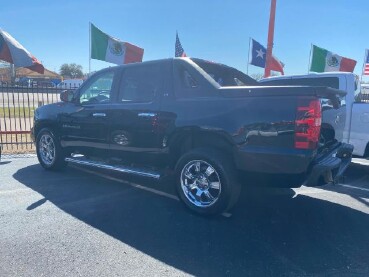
[200,183]
[47,149]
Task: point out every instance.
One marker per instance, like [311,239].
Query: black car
[207,122]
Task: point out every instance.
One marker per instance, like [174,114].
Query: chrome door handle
[147,114]
[99,114]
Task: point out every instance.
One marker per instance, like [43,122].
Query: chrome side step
[119,168]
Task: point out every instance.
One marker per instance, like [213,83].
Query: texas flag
[258,58]
[13,52]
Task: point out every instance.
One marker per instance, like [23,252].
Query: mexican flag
[112,50]
[324,61]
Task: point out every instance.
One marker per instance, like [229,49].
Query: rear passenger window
[140,84]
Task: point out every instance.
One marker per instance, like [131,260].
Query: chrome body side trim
[123,169]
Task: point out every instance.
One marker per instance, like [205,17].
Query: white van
[70,84]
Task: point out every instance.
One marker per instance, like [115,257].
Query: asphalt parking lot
[92,223]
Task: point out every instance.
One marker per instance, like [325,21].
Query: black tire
[53,162]
[224,170]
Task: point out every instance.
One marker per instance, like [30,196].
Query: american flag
[179,49]
[366,66]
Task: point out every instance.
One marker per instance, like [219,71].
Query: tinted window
[140,84]
[224,75]
[187,82]
[186,79]
[98,90]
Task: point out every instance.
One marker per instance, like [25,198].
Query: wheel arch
[190,138]
[46,124]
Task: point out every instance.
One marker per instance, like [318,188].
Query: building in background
[27,77]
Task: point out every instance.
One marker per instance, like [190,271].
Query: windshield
[225,76]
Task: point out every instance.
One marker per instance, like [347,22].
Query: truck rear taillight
[307,124]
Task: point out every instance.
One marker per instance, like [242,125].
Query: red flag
[133,53]
[276,65]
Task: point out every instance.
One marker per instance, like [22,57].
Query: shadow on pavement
[268,234]
[36,204]
[356,184]
[356,171]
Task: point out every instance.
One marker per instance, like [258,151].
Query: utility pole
[270,38]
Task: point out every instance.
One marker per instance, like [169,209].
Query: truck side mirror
[66,95]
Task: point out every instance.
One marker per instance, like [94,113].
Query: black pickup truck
[207,123]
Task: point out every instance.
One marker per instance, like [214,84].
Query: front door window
[98,91]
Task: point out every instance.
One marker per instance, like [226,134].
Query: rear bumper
[330,167]
[278,160]
[313,169]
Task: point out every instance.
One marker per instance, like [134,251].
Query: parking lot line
[360,161]
[353,187]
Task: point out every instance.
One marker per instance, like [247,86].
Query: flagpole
[270,38]
[12,73]
[248,58]
[311,50]
[89,46]
[362,70]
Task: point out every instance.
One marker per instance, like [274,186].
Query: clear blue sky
[57,32]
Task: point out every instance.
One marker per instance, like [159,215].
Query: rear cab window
[189,82]
[225,76]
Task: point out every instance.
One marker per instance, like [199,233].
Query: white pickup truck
[356,103]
